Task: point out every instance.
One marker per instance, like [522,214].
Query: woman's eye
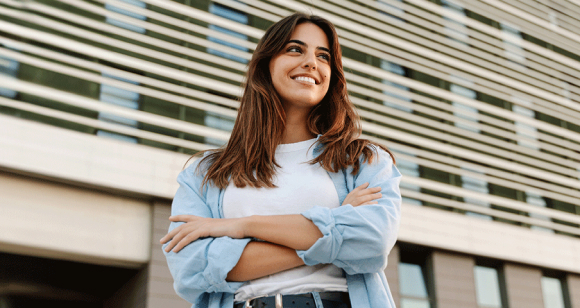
[294,49]
[325,57]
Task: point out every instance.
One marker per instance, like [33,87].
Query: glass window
[487,287]
[123,24]
[408,168]
[454,29]
[399,70]
[461,111]
[537,200]
[236,16]
[527,134]
[553,293]
[212,119]
[392,10]
[512,48]
[118,96]
[413,280]
[478,185]
[8,68]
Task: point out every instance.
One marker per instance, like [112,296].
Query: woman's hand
[363,195]
[196,227]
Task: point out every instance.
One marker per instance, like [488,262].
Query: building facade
[103,101]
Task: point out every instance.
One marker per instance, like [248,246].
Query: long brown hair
[248,157]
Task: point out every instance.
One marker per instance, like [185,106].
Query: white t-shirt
[300,186]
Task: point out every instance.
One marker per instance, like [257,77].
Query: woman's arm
[293,231]
[202,267]
[359,239]
[261,259]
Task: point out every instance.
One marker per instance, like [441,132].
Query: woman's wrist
[248,225]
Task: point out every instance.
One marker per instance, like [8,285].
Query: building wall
[50,219]
[524,288]
[573,282]
[160,292]
[453,280]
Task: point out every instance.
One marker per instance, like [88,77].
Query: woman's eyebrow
[299,42]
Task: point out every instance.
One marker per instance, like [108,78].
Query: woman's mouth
[305,79]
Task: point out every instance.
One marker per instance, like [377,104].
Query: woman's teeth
[306,79]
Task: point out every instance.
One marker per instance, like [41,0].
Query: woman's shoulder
[375,152]
[196,166]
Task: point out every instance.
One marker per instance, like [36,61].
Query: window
[554,293]
[461,111]
[236,16]
[537,200]
[118,96]
[454,29]
[8,68]
[212,119]
[414,280]
[408,168]
[392,10]
[527,134]
[565,207]
[488,288]
[512,48]
[122,24]
[468,114]
[478,185]
[399,70]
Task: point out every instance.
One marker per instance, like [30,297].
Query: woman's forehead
[311,35]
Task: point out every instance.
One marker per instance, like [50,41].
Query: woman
[261,217]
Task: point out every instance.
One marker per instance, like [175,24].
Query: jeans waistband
[306,300]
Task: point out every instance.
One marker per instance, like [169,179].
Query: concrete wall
[524,286]
[160,292]
[573,282]
[53,220]
[454,280]
[495,240]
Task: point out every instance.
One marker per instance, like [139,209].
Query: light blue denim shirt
[356,239]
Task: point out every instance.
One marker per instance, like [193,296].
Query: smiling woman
[301,72]
[295,209]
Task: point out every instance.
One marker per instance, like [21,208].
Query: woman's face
[301,71]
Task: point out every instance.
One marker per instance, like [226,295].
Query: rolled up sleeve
[202,266]
[359,239]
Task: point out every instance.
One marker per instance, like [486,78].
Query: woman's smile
[305,80]
[300,72]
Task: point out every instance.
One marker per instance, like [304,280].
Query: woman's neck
[296,127]
[296,133]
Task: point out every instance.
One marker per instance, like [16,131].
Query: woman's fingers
[373,190]
[361,195]
[174,240]
[191,237]
[185,235]
[361,187]
[171,234]
[199,227]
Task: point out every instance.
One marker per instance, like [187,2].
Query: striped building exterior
[103,101]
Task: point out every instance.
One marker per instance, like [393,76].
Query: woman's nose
[310,62]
